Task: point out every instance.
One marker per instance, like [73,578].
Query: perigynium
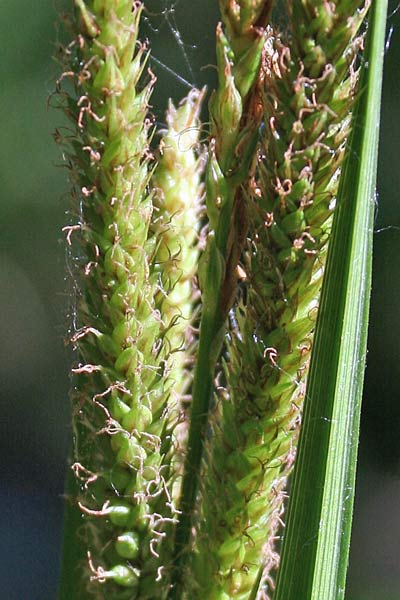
[307,96]
[135,270]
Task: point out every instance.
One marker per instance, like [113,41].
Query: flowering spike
[178,205]
[256,423]
[137,259]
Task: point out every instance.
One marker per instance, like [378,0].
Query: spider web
[181,37]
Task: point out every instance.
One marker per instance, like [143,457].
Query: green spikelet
[176,218]
[257,419]
[235,115]
[178,204]
[123,416]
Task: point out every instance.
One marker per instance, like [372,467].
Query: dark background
[34,362]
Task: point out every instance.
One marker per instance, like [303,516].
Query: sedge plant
[184,437]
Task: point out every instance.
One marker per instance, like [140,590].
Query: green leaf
[315,550]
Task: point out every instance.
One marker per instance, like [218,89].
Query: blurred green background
[34,304]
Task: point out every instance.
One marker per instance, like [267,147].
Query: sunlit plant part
[129,320]
[184,439]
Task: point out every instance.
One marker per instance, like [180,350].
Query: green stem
[202,392]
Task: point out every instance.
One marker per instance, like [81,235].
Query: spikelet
[235,114]
[255,429]
[178,207]
[123,419]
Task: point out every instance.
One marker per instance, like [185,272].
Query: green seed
[125,576]
[127,544]
[119,513]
